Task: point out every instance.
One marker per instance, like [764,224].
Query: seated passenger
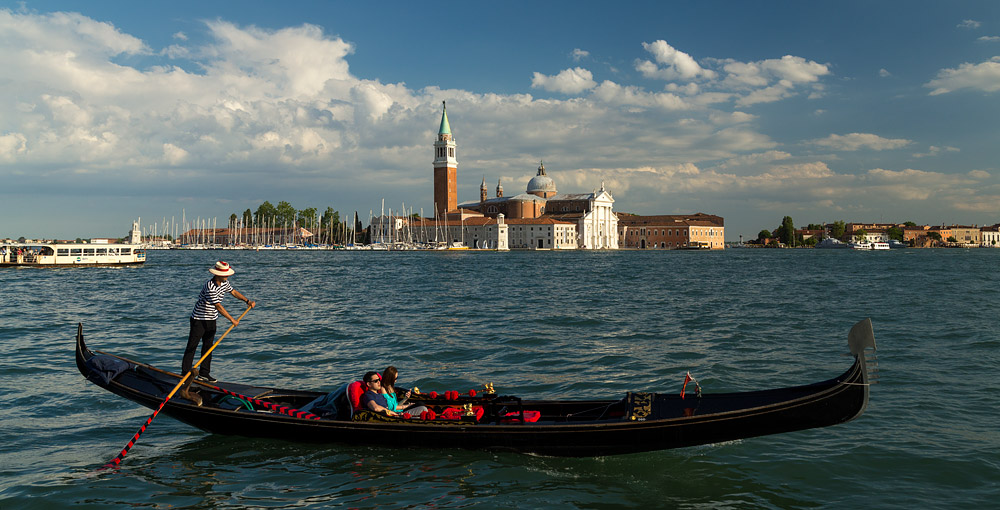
[373,399]
[394,402]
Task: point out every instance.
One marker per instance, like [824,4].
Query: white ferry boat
[70,254]
[42,254]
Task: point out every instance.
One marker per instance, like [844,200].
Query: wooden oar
[118,459]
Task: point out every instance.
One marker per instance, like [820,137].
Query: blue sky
[823,111]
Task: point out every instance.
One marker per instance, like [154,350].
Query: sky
[823,111]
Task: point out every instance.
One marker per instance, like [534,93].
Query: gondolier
[203,317]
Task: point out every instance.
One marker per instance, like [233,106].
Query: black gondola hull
[712,418]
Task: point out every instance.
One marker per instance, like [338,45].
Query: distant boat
[71,254]
[874,245]
[895,244]
[696,245]
[831,243]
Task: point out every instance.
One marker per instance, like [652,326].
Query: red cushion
[354,392]
[455,413]
[529,417]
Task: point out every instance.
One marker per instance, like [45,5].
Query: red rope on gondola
[288,411]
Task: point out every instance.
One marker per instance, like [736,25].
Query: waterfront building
[670,232]
[966,235]
[911,234]
[477,231]
[990,236]
[876,236]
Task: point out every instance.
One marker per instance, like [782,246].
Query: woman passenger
[396,403]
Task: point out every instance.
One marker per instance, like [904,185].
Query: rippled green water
[541,324]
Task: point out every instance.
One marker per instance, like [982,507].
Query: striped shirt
[211,294]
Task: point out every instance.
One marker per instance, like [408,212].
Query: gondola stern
[861,340]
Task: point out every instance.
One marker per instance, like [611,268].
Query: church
[539,218]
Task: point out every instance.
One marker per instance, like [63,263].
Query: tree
[813,226]
[909,224]
[895,233]
[860,235]
[837,229]
[284,213]
[934,235]
[763,235]
[951,239]
[307,217]
[265,213]
[788,231]
[247,217]
[331,223]
[232,220]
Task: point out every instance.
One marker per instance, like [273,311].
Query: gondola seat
[354,392]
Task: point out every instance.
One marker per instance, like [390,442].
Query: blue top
[391,399]
[378,398]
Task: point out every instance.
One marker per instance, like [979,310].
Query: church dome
[541,183]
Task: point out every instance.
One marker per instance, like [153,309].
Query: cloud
[883,73]
[255,114]
[568,81]
[969,23]
[678,65]
[770,80]
[857,141]
[989,38]
[984,76]
[11,145]
[730,118]
[934,150]
[615,94]
[578,54]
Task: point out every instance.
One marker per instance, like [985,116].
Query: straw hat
[221,269]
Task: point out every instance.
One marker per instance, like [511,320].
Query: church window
[451,152]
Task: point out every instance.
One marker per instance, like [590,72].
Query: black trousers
[204,331]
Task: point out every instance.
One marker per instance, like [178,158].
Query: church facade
[538,218]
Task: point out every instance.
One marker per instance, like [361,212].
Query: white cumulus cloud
[984,76]
[857,141]
[677,64]
[568,81]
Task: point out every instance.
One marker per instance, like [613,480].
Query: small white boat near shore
[831,243]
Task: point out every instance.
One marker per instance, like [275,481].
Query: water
[546,324]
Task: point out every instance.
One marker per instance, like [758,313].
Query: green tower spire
[445,128]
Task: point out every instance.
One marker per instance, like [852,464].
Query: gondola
[637,422]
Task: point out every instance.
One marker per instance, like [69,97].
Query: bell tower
[445,168]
